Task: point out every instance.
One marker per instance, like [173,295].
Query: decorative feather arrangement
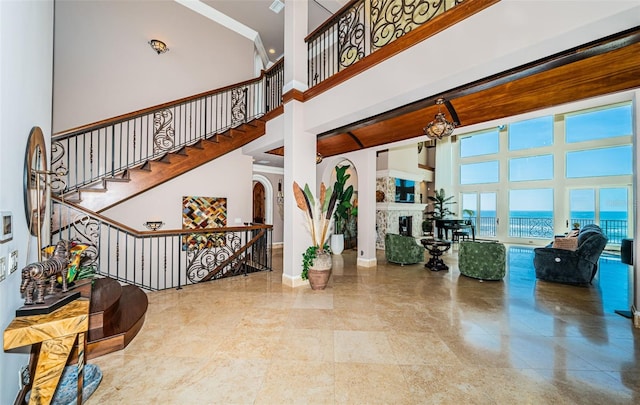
[318,212]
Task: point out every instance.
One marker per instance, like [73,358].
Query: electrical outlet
[3,268]
[13,261]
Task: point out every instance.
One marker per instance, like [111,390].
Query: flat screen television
[405,191]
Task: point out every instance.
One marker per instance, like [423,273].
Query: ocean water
[604,215]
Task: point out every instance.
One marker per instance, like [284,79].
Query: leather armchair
[402,249]
[572,266]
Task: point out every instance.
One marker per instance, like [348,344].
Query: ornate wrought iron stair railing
[90,153]
[157,260]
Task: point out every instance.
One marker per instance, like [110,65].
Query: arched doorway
[258,203]
[267,199]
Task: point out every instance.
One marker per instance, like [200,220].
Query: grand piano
[446,226]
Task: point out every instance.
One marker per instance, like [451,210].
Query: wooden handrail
[144,111]
[234,256]
[166,232]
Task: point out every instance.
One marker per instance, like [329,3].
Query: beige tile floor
[383,335]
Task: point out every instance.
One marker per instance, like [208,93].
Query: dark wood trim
[162,232]
[580,53]
[425,167]
[355,138]
[293,94]
[273,113]
[429,29]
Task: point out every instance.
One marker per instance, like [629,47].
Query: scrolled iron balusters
[85,230]
[163,133]
[351,36]
[238,106]
[207,255]
[59,170]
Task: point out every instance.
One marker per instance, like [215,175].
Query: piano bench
[460,235]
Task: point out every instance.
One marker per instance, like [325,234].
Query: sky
[582,126]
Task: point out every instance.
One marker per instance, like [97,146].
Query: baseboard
[367,262]
[293,282]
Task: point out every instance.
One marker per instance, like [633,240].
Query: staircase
[116,315]
[110,191]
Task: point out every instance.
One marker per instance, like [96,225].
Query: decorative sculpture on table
[36,275]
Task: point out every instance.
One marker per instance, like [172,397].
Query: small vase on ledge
[320,270]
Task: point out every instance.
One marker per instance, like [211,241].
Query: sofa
[402,249]
[482,260]
[567,266]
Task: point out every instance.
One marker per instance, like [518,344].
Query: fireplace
[404,225]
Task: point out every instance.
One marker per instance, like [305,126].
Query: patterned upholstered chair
[402,249]
[482,260]
[577,266]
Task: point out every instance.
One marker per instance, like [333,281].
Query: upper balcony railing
[104,149]
[362,27]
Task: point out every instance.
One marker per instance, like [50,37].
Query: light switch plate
[3,268]
[13,261]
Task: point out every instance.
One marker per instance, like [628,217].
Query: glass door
[608,207]
[613,213]
[488,220]
[480,209]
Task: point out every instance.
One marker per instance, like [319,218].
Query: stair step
[105,296]
[197,144]
[164,159]
[95,188]
[144,177]
[146,166]
[122,326]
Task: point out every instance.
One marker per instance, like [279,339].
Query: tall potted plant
[344,208]
[316,260]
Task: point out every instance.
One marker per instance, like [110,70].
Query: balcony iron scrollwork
[163,133]
[391,19]
[351,36]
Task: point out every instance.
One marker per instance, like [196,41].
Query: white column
[366,165]
[299,145]
[634,282]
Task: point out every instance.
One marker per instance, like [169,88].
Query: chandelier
[439,127]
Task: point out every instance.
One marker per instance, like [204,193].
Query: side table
[436,247]
[56,332]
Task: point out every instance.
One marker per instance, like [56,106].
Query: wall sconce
[280,195]
[319,158]
[153,225]
[158,46]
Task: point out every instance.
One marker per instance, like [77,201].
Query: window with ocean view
[531,213]
[551,173]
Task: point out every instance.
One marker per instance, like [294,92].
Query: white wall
[26,43]
[104,66]
[229,176]
[404,159]
[481,49]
